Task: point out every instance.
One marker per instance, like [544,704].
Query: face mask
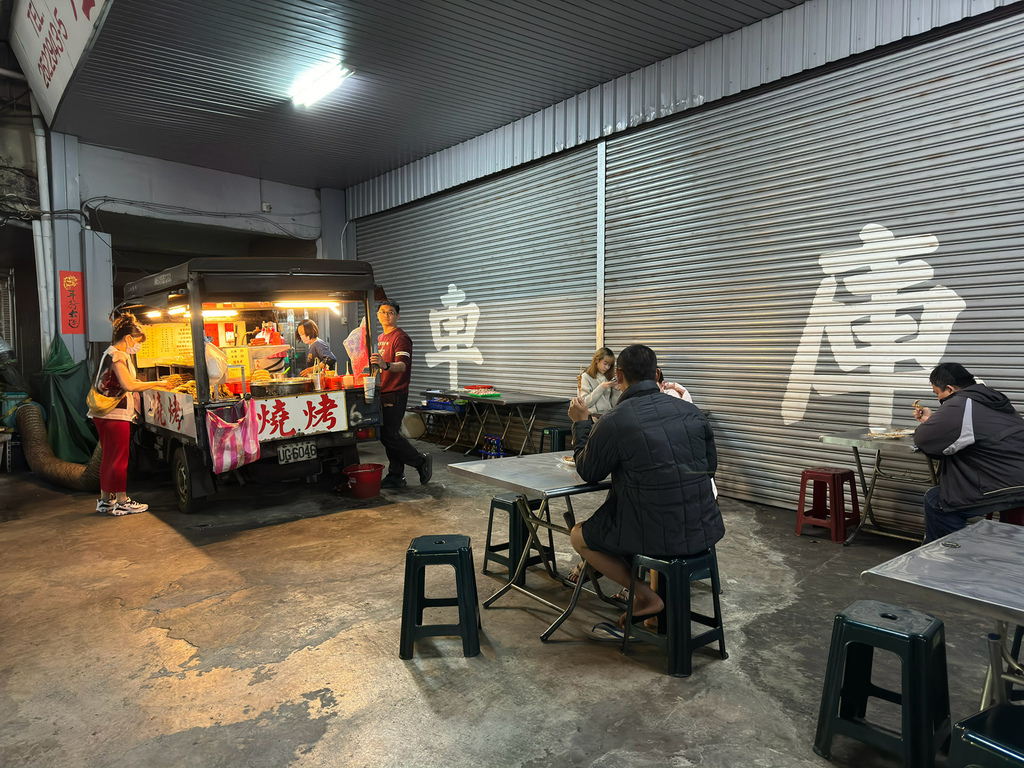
[134,349]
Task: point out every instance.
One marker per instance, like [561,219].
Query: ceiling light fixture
[314,84]
[332,305]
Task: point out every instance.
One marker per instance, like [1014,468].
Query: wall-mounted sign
[49,37]
[72,302]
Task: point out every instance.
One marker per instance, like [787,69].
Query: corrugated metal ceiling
[205,82]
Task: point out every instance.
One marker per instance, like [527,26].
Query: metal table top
[535,476]
[506,398]
[980,567]
[862,440]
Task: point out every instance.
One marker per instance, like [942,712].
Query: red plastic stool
[1013,516]
[832,515]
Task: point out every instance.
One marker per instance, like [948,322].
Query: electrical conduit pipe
[44,260]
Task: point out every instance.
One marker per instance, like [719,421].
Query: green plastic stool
[993,738]
[449,549]
[556,438]
[675,634]
[918,639]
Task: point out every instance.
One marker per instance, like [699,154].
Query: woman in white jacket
[597,384]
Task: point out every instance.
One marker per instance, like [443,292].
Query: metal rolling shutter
[717,226]
[522,249]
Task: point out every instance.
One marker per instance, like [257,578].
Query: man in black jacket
[979,438]
[660,453]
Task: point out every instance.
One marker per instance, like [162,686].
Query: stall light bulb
[331,305]
[220,312]
[154,314]
[177,310]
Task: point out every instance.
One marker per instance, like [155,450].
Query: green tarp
[61,387]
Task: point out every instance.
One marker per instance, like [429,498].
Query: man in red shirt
[394,358]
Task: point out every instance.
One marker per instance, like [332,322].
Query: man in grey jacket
[979,439]
[660,453]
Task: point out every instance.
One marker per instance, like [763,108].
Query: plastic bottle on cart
[369,388]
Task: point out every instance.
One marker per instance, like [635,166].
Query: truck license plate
[288,454]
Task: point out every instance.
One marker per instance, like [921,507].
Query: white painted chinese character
[453,330]
[882,319]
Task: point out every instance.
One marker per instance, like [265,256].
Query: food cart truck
[301,426]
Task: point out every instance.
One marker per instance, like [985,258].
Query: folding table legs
[534,521]
[517,410]
[868,522]
[462,419]
[482,418]
[532,524]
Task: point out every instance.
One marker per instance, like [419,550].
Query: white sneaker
[127,507]
[103,506]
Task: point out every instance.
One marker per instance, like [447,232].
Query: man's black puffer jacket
[660,452]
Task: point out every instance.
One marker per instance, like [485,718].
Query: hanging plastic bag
[355,345]
[234,436]
[216,364]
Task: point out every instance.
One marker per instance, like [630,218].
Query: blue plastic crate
[436,404]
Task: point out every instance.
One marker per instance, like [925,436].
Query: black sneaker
[426,469]
[393,481]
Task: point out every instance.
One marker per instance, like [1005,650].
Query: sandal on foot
[622,595]
[578,570]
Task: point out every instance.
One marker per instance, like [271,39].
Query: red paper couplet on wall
[72,302]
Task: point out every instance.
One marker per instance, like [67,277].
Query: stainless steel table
[981,568]
[518,404]
[543,476]
[861,440]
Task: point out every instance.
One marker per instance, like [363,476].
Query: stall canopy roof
[229,279]
[205,82]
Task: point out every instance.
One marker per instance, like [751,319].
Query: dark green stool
[918,639]
[675,633]
[556,438]
[993,738]
[453,550]
[518,535]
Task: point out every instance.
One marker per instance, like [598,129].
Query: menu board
[166,344]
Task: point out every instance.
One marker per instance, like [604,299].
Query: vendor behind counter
[309,333]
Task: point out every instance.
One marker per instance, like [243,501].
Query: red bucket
[364,479]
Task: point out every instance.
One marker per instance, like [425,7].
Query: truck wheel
[181,477]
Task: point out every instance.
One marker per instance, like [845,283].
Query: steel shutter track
[715,225]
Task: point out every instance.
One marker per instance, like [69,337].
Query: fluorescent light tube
[314,84]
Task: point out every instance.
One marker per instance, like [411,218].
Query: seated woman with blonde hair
[597,385]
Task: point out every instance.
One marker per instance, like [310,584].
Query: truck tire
[181,478]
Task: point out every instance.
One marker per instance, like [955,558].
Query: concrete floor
[264,632]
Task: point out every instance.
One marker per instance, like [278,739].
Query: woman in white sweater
[597,384]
